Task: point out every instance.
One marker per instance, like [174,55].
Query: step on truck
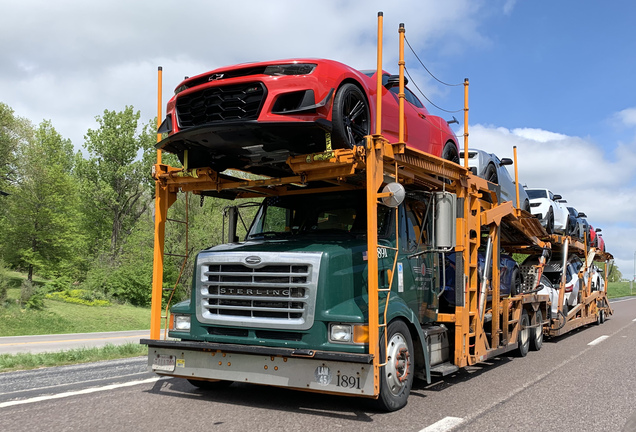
[363,269]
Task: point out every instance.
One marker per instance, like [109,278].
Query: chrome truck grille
[264,290]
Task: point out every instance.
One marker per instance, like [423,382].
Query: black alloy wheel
[549,226]
[491,174]
[351,117]
[450,152]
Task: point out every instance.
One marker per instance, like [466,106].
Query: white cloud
[509,6]
[538,135]
[627,116]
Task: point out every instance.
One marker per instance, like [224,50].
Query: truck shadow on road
[421,388]
[271,398]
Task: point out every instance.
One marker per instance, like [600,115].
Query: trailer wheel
[351,117]
[524,334]
[536,342]
[602,316]
[396,377]
[210,385]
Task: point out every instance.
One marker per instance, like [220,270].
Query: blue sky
[555,78]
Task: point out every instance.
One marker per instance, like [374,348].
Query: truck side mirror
[394,195]
[394,81]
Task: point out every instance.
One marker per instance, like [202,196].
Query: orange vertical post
[161,213]
[466,122]
[373,174]
[401,88]
[159,91]
[378,107]
[514,150]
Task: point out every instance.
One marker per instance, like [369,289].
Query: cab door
[419,264]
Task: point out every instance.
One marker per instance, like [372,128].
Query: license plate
[164,362]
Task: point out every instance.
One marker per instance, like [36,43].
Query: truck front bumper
[321,371]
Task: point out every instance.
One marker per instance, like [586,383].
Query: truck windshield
[316,214]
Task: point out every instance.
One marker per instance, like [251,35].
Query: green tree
[614,274]
[13,132]
[41,232]
[115,178]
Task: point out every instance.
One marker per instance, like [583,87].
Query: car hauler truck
[338,286]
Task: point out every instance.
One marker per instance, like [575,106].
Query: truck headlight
[349,333]
[181,322]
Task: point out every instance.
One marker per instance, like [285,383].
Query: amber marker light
[361,334]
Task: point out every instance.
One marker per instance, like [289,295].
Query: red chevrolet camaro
[257,114]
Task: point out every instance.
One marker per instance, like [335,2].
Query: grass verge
[619,289]
[60,318]
[26,361]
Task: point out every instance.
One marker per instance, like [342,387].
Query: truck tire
[350,117]
[536,341]
[210,385]
[524,334]
[396,377]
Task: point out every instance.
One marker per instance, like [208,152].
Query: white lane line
[75,393]
[621,301]
[70,383]
[445,424]
[634,320]
[598,340]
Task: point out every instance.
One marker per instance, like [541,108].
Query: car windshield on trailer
[536,193]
